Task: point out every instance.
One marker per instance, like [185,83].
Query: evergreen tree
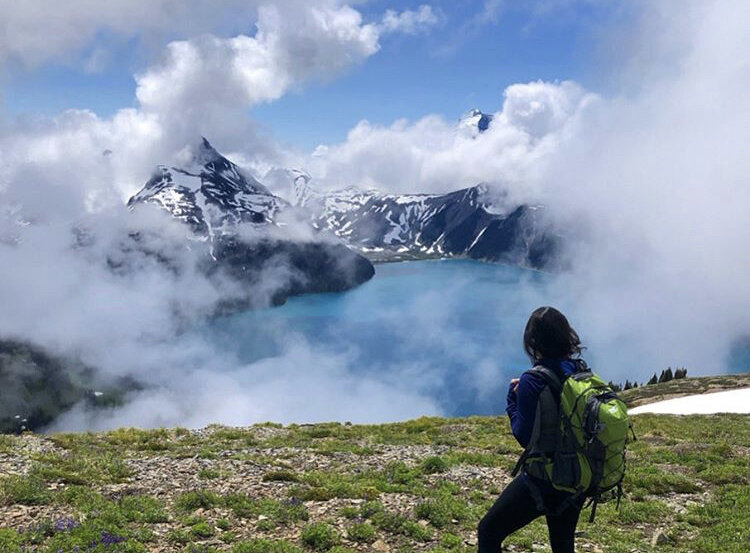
[666,375]
[653,380]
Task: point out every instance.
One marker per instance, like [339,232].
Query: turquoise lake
[451,327]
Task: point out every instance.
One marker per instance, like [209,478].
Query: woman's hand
[514,384]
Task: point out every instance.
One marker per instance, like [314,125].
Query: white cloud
[431,154]
[409,21]
[39,31]
[97,61]
[654,186]
[303,383]
[289,48]
[56,168]
[490,12]
[207,78]
[539,108]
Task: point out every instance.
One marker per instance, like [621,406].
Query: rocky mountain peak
[209,192]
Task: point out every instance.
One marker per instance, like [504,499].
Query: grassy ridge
[684,387]
[420,485]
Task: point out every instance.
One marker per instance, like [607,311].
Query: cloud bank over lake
[648,183]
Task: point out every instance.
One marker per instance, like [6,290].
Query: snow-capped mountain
[460,223]
[475,121]
[213,196]
[210,193]
[239,218]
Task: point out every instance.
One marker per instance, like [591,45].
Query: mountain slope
[460,223]
[36,386]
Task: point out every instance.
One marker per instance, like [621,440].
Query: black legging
[515,508]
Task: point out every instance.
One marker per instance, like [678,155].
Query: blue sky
[446,69]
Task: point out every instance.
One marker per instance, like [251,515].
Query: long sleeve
[521,407]
[512,407]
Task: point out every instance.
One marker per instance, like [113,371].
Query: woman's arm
[521,407]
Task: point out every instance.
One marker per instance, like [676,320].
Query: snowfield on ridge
[729,401]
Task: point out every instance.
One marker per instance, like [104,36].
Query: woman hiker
[549,341]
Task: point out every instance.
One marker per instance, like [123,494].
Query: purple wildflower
[65,524]
[108,538]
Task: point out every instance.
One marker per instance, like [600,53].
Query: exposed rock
[660,537]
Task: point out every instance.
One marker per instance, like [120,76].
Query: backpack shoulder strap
[550,377]
[544,434]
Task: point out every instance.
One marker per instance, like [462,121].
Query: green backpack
[578,446]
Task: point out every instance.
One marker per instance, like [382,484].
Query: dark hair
[548,335]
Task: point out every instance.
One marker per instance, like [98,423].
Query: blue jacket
[522,402]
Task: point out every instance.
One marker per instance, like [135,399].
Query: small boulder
[660,538]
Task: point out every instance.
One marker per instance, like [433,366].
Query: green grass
[281,476]
[202,529]
[419,485]
[434,464]
[725,519]
[320,536]
[362,532]
[7,443]
[265,546]
[80,469]
[23,490]
[277,512]
[209,474]
[199,548]
[198,499]
[443,510]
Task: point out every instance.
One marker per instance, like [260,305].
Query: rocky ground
[420,485]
